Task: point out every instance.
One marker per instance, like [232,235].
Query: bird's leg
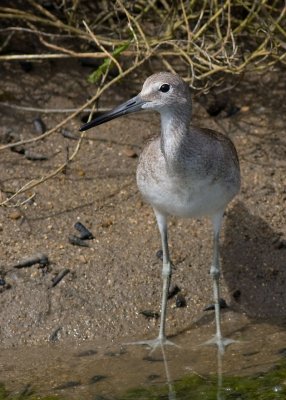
[166,275]
[166,272]
[215,274]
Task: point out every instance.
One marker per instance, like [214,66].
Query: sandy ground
[119,275]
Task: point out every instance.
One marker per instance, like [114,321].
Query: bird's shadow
[253,265]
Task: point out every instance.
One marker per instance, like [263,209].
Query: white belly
[194,190]
[192,199]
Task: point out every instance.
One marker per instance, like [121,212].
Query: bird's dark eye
[164,88]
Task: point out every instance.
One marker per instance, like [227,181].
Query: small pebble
[15,215]
[85,234]
[81,172]
[180,301]
[244,109]
[39,126]
[173,291]
[39,258]
[129,152]
[2,282]
[18,149]
[69,135]
[222,304]
[107,223]
[36,273]
[54,336]
[149,314]
[76,241]
[59,276]
[30,155]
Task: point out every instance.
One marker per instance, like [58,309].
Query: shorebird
[186,171]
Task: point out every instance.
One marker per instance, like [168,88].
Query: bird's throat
[174,129]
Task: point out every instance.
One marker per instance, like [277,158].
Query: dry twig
[206,38]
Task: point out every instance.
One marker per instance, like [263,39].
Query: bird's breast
[180,193]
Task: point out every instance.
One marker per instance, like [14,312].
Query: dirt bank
[118,275]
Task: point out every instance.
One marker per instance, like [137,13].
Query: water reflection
[171,386]
[191,371]
[172,393]
[219,376]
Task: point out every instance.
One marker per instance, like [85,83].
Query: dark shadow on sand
[254,269]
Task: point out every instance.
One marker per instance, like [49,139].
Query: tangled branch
[202,40]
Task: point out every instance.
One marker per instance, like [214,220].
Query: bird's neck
[174,130]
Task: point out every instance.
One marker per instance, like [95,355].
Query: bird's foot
[220,342]
[154,343]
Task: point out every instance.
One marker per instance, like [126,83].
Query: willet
[186,172]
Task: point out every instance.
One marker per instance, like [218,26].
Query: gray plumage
[186,172]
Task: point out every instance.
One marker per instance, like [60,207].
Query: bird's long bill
[130,106]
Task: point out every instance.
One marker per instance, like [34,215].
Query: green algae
[265,386]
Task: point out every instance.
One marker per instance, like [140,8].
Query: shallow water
[252,368]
